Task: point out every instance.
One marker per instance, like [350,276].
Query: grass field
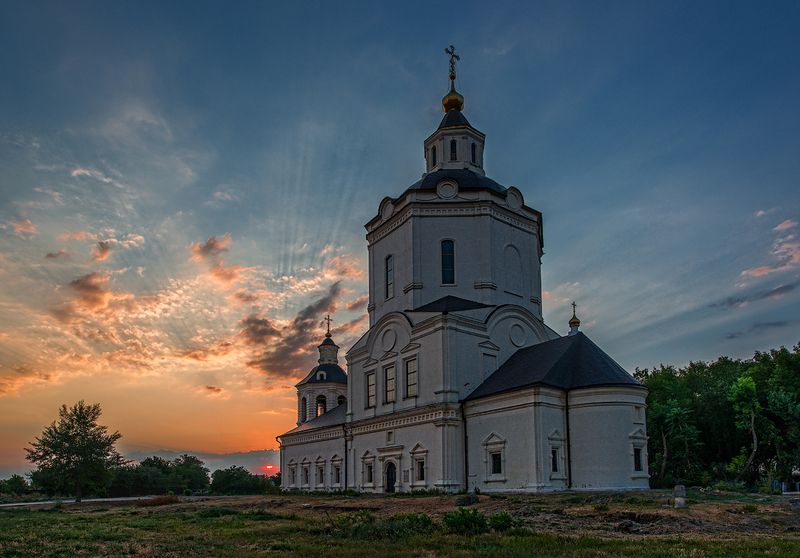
[572,525]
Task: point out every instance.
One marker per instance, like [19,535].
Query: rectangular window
[369,474]
[389,384]
[389,277]
[321,475]
[554,460]
[637,459]
[337,474]
[420,476]
[292,476]
[411,378]
[497,463]
[448,262]
[305,475]
[371,389]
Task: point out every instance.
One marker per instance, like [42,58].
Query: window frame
[452,255]
[406,364]
[386,383]
[453,150]
[370,395]
[474,154]
[388,276]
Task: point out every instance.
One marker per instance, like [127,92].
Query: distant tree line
[75,456]
[734,421]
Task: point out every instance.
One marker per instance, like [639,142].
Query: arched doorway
[391,477]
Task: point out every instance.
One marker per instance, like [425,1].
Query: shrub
[601,507]
[467,499]
[501,521]
[465,522]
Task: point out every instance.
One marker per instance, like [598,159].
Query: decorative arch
[303,409]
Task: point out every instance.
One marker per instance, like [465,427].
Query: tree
[745,402]
[237,480]
[75,454]
[16,485]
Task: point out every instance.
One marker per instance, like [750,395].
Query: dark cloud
[257,330]
[758,327]
[290,354]
[211,248]
[736,301]
[213,389]
[91,295]
[101,251]
[244,297]
[61,254]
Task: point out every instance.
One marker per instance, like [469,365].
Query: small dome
[328,341]
[453,100]
[574,322]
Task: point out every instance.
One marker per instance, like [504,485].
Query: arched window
[448,262]
[453,150]
[303,410]
[433,156]
[322,405]
[341,400]
[389,277]
[474,159]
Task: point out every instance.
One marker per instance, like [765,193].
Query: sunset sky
[183,189]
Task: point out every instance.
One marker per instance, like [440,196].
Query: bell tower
[455,144]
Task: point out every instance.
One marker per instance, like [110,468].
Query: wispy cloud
[744,300]
[785,249]
[758,327]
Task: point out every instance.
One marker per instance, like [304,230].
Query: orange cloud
[91,295]
[25,228]
[358,303]
[786,225]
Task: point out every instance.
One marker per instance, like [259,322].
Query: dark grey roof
[333,374]
[328,341]
[331,418]
[566,363]
[453,118]
[450,304]
[467,180]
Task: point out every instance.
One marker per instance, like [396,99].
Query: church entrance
[391,477]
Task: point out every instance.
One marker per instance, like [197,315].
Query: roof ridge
[571,347]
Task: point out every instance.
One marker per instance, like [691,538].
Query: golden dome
[574,321]
[453,100]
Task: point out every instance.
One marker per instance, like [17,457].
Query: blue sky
[184,187]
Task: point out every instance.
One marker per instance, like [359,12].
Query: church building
[458,384]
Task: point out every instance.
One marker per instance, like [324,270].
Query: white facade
[434,398]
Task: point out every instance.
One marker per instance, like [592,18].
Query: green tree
[75,454]
[16,485]
[745,402]
[237,480]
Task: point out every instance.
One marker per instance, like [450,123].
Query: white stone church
[458,384]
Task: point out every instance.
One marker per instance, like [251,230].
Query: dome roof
[333,375]
[328,341]
[466,179]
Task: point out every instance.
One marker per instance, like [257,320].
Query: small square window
[390,436]
[497,463]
